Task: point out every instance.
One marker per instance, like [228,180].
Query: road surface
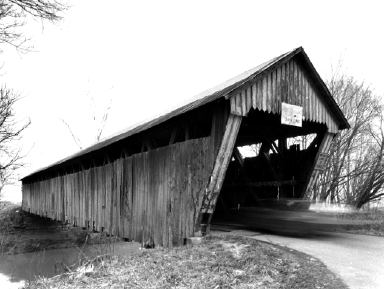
[357,259]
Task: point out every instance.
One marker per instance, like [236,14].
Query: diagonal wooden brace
[220,168]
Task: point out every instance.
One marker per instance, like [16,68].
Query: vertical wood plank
[128,198]
[249,99]
[93,197]
[118,172]
[265,93]
[243,99]
[134,197]
[278,90]
[283,84]
[274,91]
[108,198]
[100,185]
[165,191]
[254,95]
[295,95]
[259,94]
[306,98]
[88,204]
[270,92]
[312,103]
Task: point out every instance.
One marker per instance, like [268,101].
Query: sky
[143,57]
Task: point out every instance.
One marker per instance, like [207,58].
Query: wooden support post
[173,136]
[223,205]
[270,166]
[123,153]
[186,132]
[219,121]
[282,144]
[317,164]
[106,160]
[148,145]
[153,144]
[273,145]
[240,161]
[220,168]
[126,152]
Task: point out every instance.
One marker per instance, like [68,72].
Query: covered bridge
[161,180]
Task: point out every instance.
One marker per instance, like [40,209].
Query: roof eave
[343,122]
[224,92]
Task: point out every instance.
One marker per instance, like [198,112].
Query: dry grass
[218,262]
[21,232]
[367,223]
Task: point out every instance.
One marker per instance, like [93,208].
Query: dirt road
[357,259]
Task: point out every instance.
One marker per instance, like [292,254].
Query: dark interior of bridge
[270,161]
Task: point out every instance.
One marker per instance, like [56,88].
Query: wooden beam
[151,144]
[314,172]
[223,205]
[148,145]
[186,132]
[272,144]
[240,161]
[269,165]
[220,168]
[126,152]
[106,160]
[265,184]
[282,144]
[173,136]
[219,121]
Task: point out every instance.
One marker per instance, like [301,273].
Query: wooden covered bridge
[161,180]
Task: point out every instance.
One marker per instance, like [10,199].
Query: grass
[364,222]
[21,232]
[217,262]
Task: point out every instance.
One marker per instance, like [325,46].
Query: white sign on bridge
[291,114]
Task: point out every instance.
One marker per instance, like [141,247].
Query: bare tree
[15,13]
[74,137]
[102,121]
[355,171]
[370,182]
[11,130]
[99,119]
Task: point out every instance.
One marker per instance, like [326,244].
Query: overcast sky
[147,56]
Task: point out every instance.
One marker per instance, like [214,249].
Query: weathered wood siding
[153,195]
[288,83]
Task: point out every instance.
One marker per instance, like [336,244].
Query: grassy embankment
[362,222]
[21,232]
[217,262]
